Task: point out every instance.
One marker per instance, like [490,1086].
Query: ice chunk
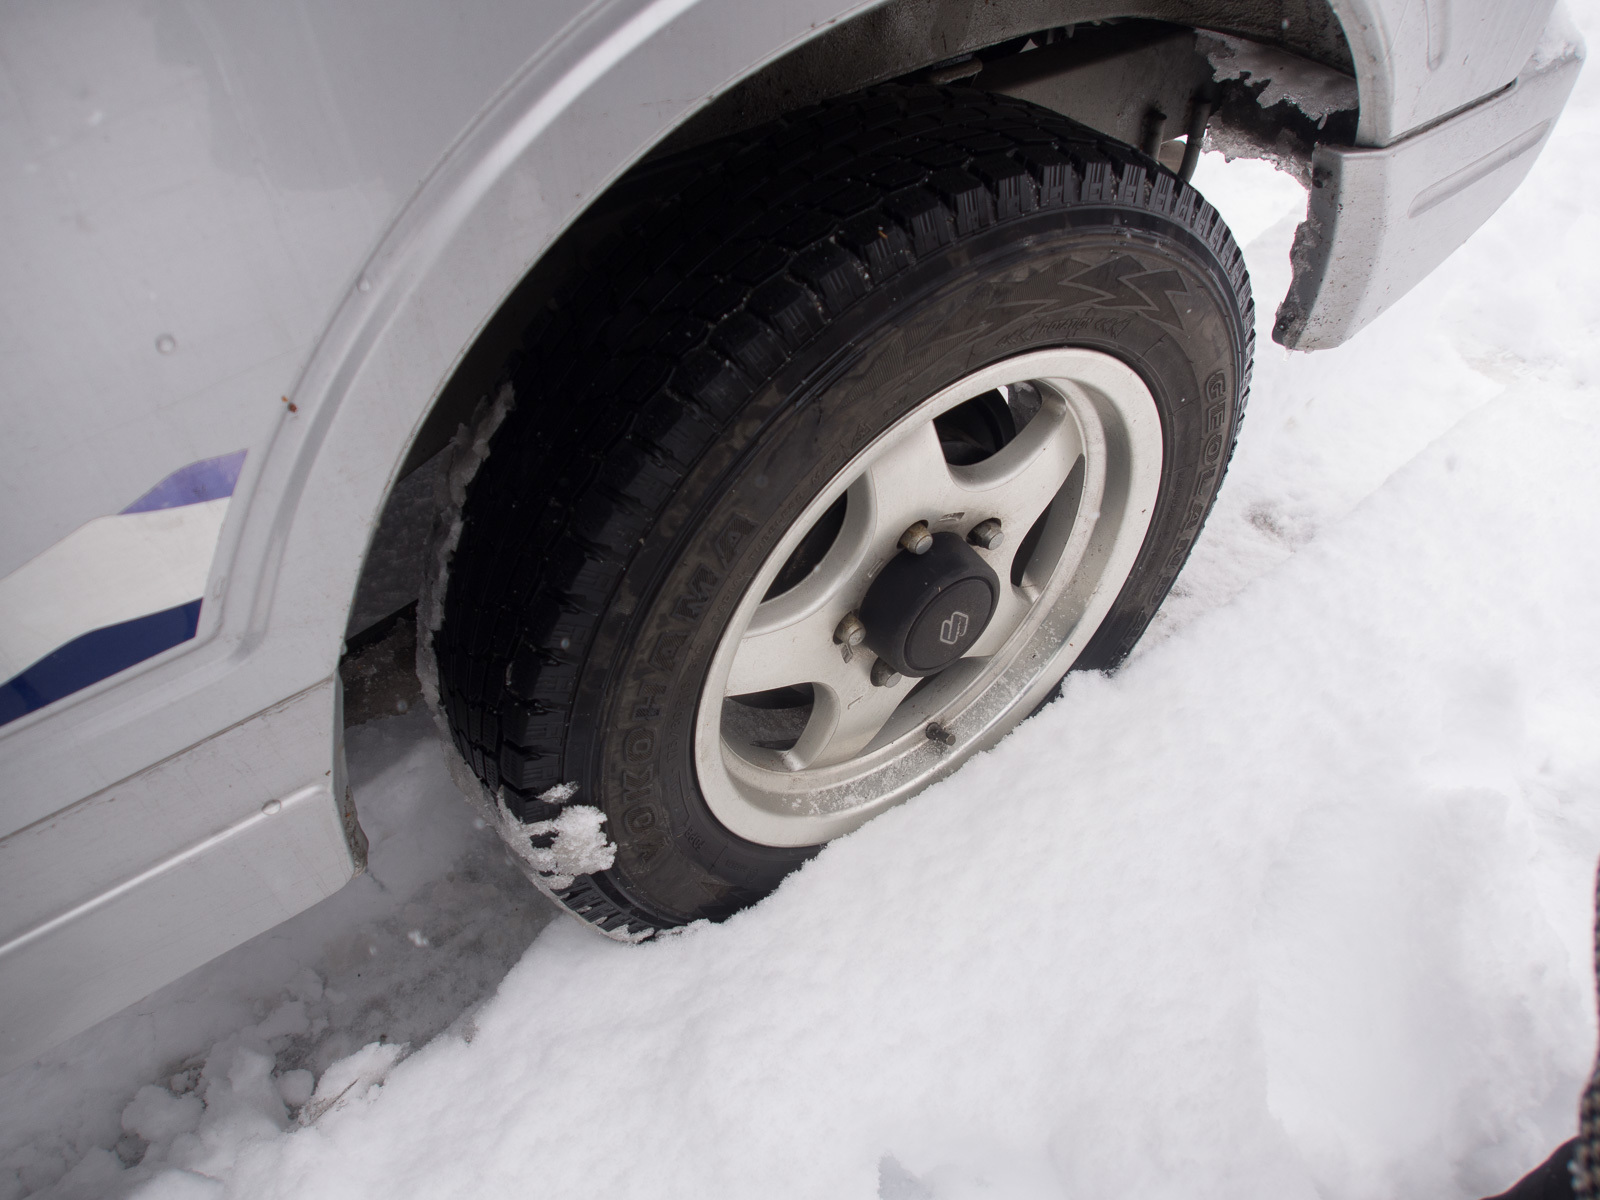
[1315,90]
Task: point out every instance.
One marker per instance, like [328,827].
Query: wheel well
[907,37]
[972,42]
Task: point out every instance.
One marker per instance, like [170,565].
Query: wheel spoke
[909,481]
[847,709]
[790,638]
[847,714]
[1015,484]
[776,653]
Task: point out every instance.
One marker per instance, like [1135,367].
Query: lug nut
[987,534]
[883,675]
[918,539]
[851,631]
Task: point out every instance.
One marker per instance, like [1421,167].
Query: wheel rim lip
[1122,437]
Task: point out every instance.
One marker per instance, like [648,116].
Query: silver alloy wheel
[781,768]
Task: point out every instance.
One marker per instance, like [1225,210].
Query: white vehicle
[760,406]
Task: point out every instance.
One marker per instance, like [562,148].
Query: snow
[1315,90]
[350,1078]
[156,1115]
[310,994]
[1296,904]
[577,844]
[466,452]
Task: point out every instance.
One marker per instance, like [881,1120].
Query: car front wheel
[823,473]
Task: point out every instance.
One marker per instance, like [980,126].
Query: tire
[784,299]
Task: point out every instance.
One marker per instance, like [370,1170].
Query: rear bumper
[1380,220]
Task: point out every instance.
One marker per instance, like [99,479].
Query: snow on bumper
[1381,219]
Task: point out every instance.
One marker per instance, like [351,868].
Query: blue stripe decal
[90,658]
[208,479]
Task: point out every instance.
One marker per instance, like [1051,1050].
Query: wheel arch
[422,334]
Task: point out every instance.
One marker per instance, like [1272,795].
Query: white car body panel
[1419,60]
[158,882]
[276,231]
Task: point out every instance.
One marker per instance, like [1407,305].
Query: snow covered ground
[1296,905]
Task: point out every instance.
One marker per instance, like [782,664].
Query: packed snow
[324,1000]
[1296,904]
[1316,91]
[577,843]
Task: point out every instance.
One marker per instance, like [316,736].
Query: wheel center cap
[924,611]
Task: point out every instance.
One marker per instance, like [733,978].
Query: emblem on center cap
[953,628]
